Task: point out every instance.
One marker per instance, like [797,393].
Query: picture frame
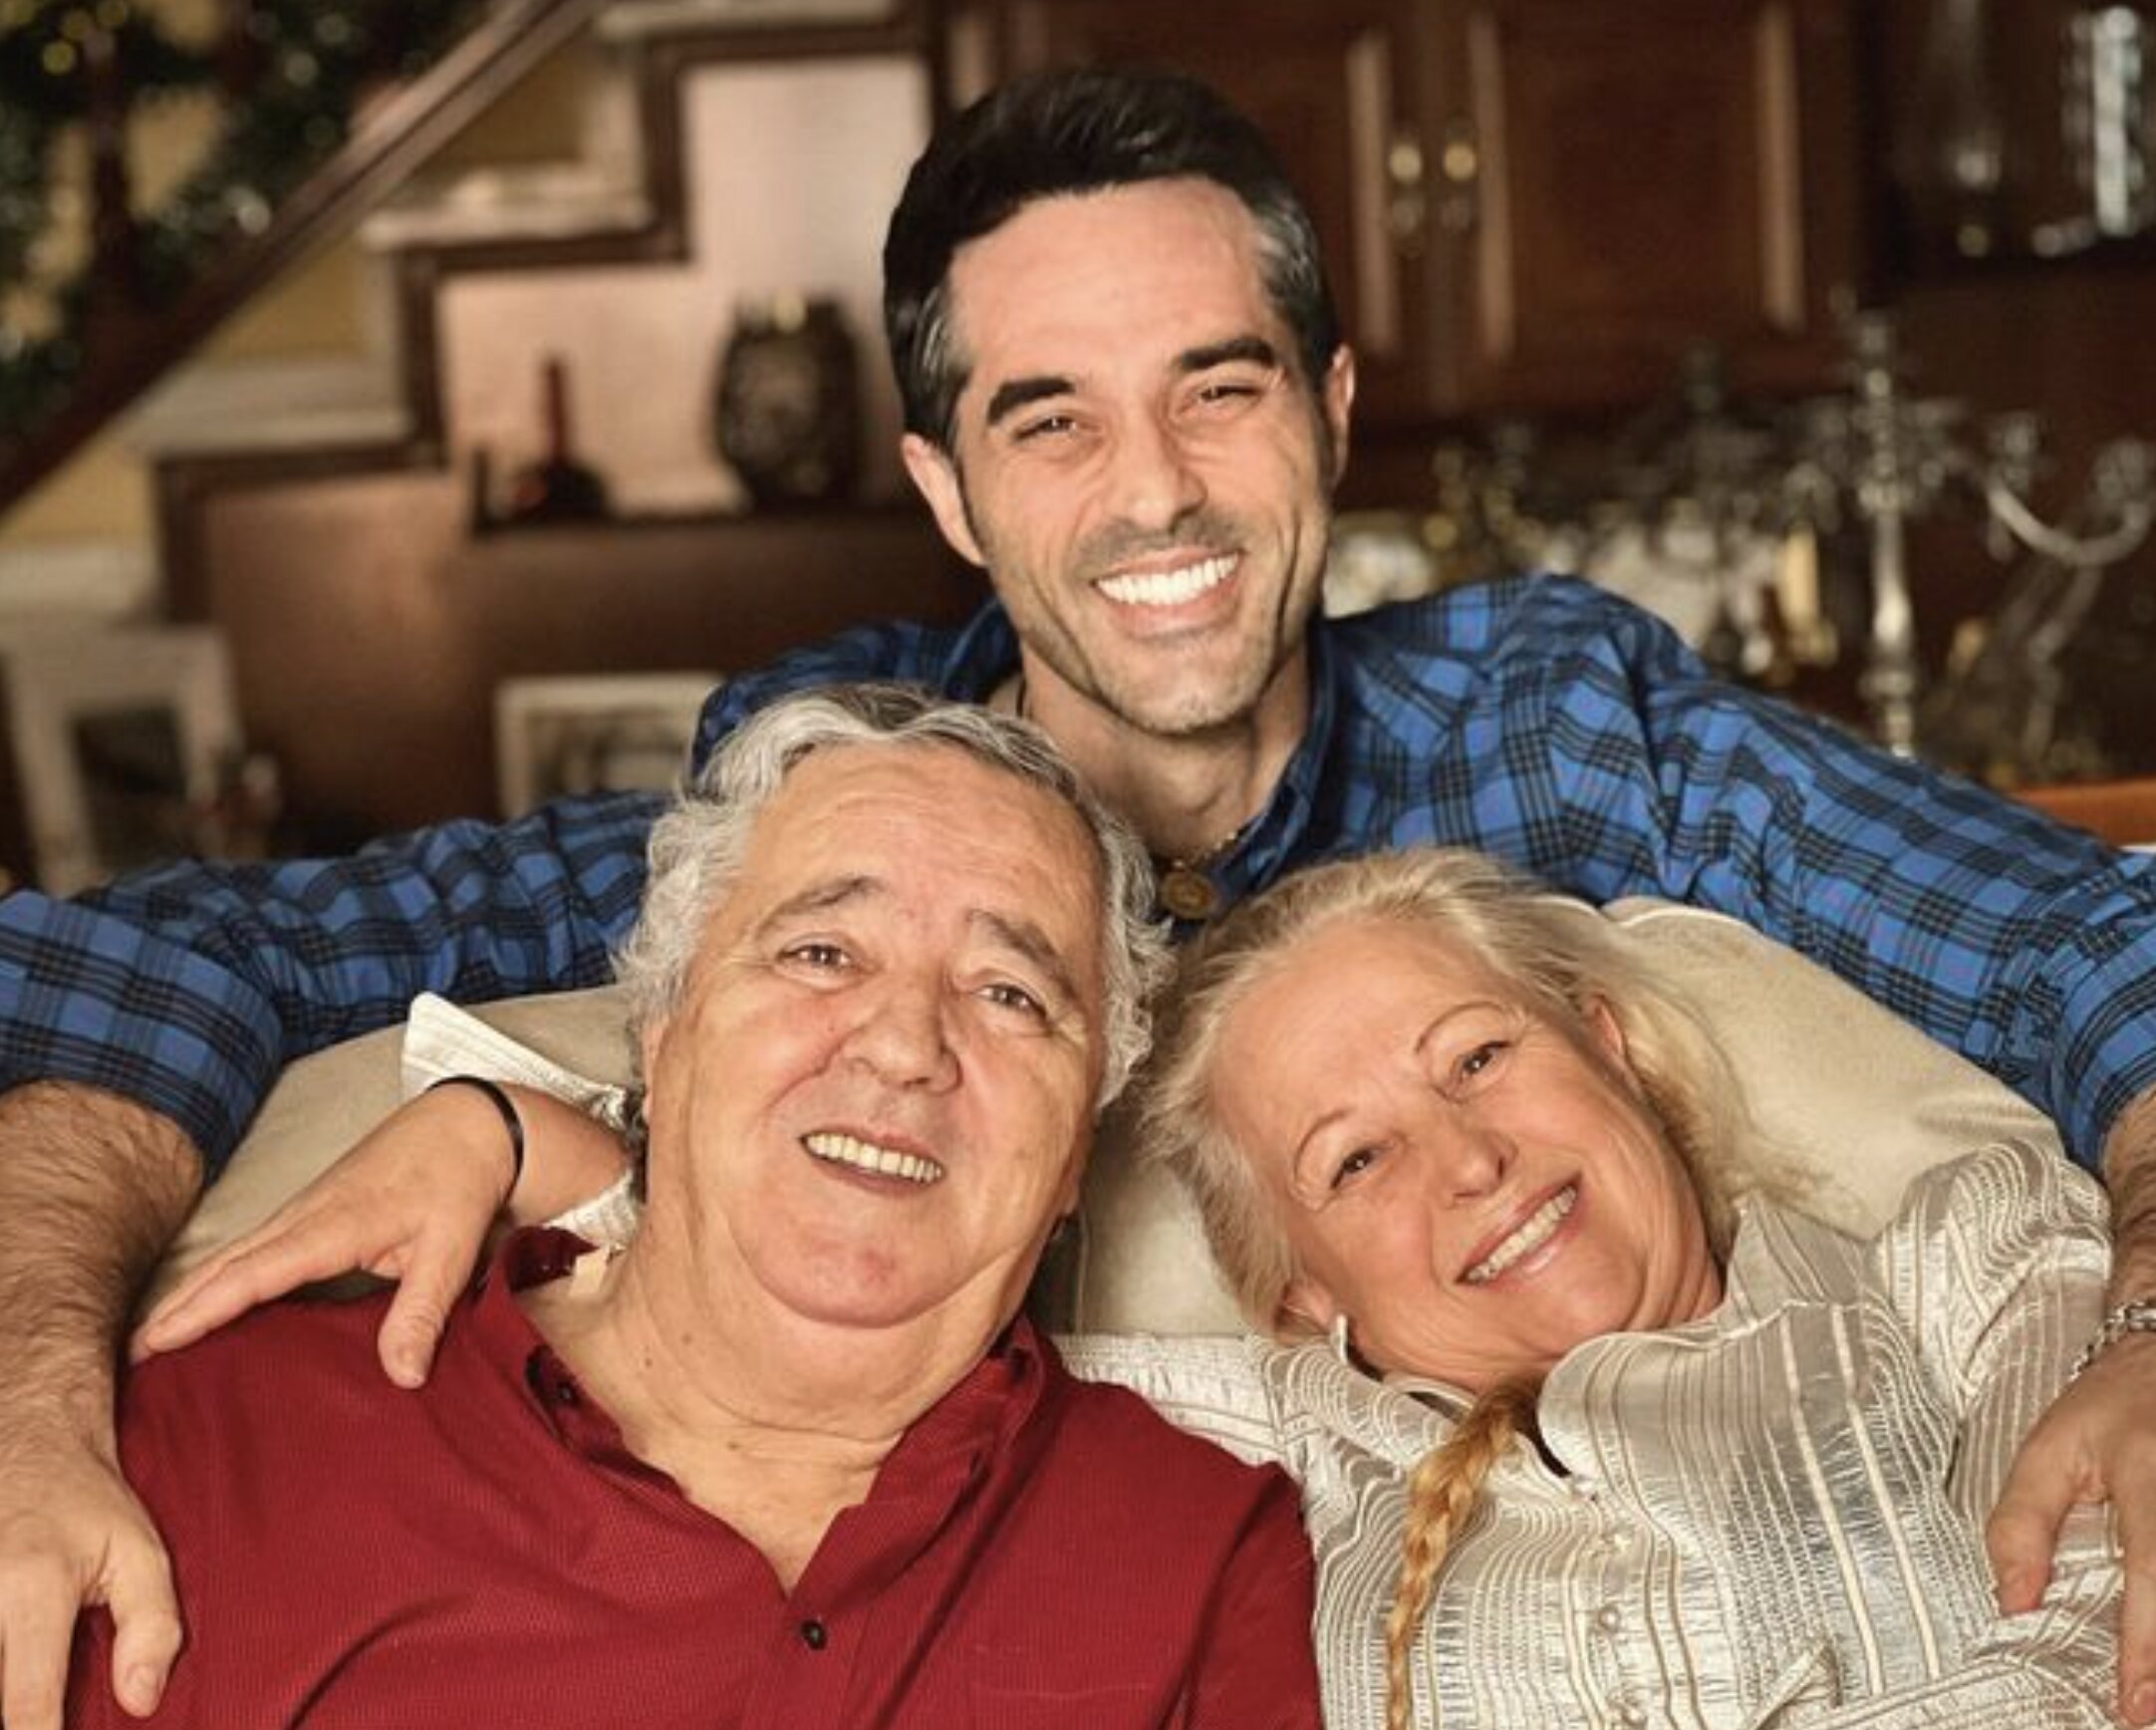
[593,733]
[124,739]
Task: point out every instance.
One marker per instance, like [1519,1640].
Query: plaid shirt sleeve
[1581,739]
[186,987]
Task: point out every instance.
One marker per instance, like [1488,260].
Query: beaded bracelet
[2135,1316]
[510,1120]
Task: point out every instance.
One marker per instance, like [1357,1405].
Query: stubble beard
[1196,705]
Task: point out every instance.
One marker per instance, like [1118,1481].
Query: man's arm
[413,1202]
[2098,1442]
[186,989]
[91,1187]
[1593,748]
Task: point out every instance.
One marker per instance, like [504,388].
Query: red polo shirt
[486,1553]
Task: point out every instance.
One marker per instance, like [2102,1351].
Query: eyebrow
[1008,398]
[1017,934]
[1255,349]
[820,898]
[1024,938]
[1021,393]
[1326,1120]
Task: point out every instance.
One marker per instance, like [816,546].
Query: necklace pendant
[1188,893]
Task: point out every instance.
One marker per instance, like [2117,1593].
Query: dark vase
[788,415]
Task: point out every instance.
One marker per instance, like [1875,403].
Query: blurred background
[407,408]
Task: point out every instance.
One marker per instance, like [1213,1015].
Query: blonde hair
[1442,1491]
[1557,956]
[1560,959]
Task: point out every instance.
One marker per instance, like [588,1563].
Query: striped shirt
[1771,1517]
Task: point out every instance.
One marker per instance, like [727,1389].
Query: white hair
[698,845]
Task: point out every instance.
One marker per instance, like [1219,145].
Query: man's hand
[412,1202]
[91,1187]
[2097,1443]
[73,1534]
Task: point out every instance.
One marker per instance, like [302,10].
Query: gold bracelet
[2135,1316]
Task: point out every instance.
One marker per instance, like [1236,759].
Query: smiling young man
[788,1459]
[1126,394]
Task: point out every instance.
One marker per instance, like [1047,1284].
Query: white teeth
[836,1149]
[1167,588]
[1531,1236]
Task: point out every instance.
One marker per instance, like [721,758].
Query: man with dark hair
[1126,401]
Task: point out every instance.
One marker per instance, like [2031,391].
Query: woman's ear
[1608,1037]
[1304,1308]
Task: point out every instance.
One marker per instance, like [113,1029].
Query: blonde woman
[1593,1426]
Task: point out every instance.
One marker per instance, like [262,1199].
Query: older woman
[1592,1427]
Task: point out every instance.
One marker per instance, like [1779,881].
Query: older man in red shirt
[790,1459]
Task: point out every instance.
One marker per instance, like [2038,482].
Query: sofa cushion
[1830,1078]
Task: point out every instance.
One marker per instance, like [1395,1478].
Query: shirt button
[1609,1619]
[813,1634]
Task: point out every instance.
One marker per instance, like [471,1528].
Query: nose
[1155,485]
[901,1035]
[1466,1160]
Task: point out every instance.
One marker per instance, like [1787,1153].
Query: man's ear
[1336,402]
[936,477]
[648,1041]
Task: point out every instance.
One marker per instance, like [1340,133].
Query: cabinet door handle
[1407,201]
[1459,177]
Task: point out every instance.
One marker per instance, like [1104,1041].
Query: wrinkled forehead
[1348,970]
[938,829]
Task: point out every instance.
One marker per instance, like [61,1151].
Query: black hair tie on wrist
[510,1120]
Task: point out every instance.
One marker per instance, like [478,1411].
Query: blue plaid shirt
[1539,719]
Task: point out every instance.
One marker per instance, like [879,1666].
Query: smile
[834,1148]
[1169,588]
[1536,1231]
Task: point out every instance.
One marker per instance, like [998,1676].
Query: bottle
[558,487]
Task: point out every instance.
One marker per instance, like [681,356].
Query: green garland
[294,77]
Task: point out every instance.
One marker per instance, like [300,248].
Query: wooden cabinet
[1525,203]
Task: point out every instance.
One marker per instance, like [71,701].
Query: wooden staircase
[368,625]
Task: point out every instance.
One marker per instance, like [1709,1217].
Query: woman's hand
[412,1202]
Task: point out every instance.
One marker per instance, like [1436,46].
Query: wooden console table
[2123,812]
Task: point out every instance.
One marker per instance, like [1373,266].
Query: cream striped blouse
[1769,1518]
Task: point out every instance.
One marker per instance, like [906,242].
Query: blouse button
[1632,1715]
[1609,1619]
[814,1635]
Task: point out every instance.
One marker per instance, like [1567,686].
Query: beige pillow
[1829,1076]
[323,1103]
